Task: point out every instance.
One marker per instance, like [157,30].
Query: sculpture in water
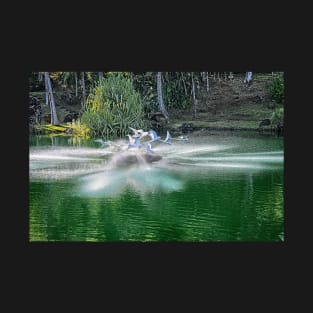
[139,149]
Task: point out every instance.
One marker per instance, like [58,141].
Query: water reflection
[140,179]
[210,189]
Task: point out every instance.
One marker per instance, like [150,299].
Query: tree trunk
[207,82]
[76,84]
[47,92]
[160,96]
[100,75]
[83,87]
[248,78]
[184,84]
[54,117]
[202,74]
[193,94]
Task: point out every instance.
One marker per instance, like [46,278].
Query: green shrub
[176,89]
[112,107]
[277,89]
[278,117]
[174,95]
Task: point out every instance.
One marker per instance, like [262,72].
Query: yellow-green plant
[112,106]
[74,128]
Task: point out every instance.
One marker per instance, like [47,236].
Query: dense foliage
[278,117]
[107,103]
[113,106]
[177,88]
[277,89]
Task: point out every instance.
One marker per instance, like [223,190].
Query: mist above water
[99,172]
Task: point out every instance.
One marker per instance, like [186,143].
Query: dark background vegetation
[108,103]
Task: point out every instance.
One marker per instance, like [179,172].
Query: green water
[219,187]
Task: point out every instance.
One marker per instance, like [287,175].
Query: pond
[221,187]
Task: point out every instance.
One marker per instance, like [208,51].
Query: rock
[71,116]
[187,127]
[158,121]
[130,158]
[265,122]
[258,98]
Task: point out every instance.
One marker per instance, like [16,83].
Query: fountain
[138,151]
[154,164]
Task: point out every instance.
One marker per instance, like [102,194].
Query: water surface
[220,187]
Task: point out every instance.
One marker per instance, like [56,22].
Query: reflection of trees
[247,226]
[52,216]
[238,207]
[269,205]
[262,207]
[37,214]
